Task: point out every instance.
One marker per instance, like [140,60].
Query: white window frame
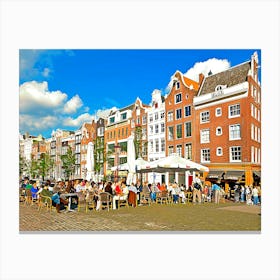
[232,132]
[231,155]
[178,110]
[219,154]
[230,107]
[170,116]
[177,85]
[208,155]
[205,135]
[217,131]
[180,99]
[179,150]
[205,117]
[217,113]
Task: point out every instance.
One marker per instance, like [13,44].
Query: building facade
[228,121]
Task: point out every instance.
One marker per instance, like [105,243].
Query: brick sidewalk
[156,217]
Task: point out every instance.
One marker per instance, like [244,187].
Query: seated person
[121,193]
[58,202]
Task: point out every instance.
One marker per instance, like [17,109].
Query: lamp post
[117,159]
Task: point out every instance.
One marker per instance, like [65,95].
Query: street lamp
[117,159]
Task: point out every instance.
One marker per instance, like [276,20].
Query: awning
[215,174]
[233,175]
[258,173]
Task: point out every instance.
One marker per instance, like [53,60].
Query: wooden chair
[21,194]
[90,201]
[82,201]
[162,197]
[28,197]
[145,198]
[123,201]
[189,197]
[45,201]
[106,200]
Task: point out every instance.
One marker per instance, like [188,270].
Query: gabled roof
[190,82]
[230,77]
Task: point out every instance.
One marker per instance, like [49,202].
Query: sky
[62,89]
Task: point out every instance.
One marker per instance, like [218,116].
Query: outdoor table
[69,196]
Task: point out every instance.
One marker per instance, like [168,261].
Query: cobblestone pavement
[142,218]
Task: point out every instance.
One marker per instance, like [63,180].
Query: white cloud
[36,96]
[36,124]
[104,113]
[78,121]
[73,105]
[213,64]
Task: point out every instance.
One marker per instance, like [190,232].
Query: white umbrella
[173,163]
[90,161]
[131,160]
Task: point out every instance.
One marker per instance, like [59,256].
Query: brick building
[228,124]
[179,118]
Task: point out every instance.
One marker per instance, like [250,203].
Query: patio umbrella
[172,163]
[90,161]
[131,160]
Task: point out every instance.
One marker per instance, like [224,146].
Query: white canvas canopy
[172,163]
[90,162]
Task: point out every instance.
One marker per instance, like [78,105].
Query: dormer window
[177,85]
[218,88]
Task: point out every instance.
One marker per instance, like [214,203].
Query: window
[156,128]
[252,132]
[234,132]
[170,116]
[170,133]
[170,150]
[234,111]
[150,117]
[205,155]
[151,129]
[179,131]
[219,131]
[177,85]
[112,120]
[235,154]
[218,112]
[144,119]
[123,116]
[178,114]
[162,127]
[205,136]
[151,146]
[156,116]
[178,98]
[204,117]
[188,151]
[138,120]
[162,114]
[144,133]
[157,145]
[162,144]
[188,129]
[187,111]
[219,151]
[179,150]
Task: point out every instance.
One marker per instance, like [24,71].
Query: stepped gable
[233,76]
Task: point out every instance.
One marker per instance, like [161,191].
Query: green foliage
[68,163]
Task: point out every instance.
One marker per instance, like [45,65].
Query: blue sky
[64,88]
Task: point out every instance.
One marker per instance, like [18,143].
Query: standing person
[236,193]
[260,194]
[216,189]
[197,186]
[205,193]
[242,194]
[255,194]
[175,192]
[139,188]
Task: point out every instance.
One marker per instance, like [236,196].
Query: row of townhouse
[215,121]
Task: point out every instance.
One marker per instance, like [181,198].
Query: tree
[45,165]
[68,163]
[34,168]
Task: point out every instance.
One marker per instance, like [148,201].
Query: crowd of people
[120,190]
